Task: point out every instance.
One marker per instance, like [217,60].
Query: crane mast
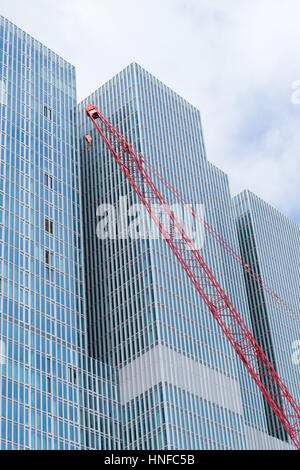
[240,337]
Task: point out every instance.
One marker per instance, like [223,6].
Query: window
[49,274]
[72,376]
[3,93]
[49,226]
[47,113]
[48,258]
[48,181]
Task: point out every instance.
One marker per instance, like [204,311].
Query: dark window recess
[47,112]
[49,384]
[48,258]
[48,181]
[0,286]
[72,376]
[49,226]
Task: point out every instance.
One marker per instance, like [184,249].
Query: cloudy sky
[235,60]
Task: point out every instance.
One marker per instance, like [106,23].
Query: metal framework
[210,230]
[261,370]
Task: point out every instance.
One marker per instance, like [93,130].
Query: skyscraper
[104,343]
[52,395]
[179,378]
[270,245]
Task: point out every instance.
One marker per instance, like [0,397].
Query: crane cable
[222,242]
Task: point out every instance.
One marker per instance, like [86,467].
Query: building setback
[104,343]
[181,385]
[270,245]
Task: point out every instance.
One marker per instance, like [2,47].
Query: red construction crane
[237,333]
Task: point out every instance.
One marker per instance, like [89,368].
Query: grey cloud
[234,60]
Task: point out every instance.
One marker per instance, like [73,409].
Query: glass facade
[270,245]
[52,396]
[104,343]
[144,316]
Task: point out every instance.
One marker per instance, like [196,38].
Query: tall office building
[104,343]
[181,385]
[270,245]
[52,396]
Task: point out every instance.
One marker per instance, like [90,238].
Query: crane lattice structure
[230,321]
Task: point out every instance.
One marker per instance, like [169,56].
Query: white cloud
[234,60]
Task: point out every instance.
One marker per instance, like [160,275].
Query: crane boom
[240,337]
[285,307]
